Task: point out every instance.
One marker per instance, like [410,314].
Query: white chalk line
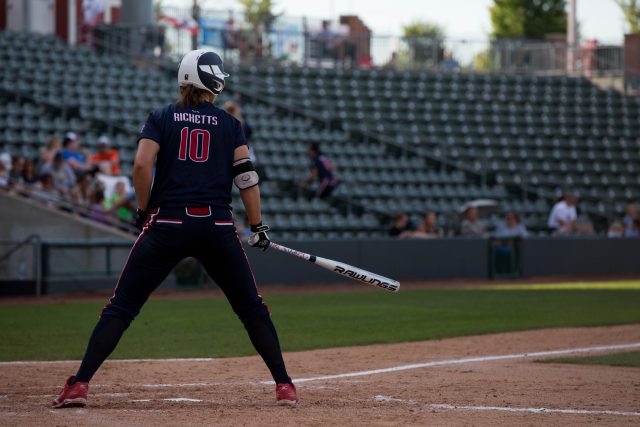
[48,362]
[169,399]
[531,410]
[183,385]
[181,399]
[446,362]
[540,410]
[449,362]
[40,396]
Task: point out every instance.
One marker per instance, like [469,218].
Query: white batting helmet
[202,68]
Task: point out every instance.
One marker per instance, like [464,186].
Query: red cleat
[286,394]
[73,395]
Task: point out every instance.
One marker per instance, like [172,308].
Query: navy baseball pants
[169,235]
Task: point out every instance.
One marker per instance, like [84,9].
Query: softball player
[198,150]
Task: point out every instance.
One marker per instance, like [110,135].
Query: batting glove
[141,217]
[259,238]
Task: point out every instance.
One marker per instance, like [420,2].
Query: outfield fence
[68,266]
[20,266]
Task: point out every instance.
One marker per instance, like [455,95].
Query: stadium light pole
[572,36]
[195,14]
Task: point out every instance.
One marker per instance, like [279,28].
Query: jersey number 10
[196,143]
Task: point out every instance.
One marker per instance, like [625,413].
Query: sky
[461,19]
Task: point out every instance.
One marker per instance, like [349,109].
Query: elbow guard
[244,174]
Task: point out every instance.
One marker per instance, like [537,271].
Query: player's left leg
[325,188]
[226,262]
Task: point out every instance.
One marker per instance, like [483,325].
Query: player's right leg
[151,259]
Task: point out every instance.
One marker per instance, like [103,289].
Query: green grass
[206,327]
[630,358]
[629,285]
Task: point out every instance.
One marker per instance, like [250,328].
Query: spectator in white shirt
[563,218]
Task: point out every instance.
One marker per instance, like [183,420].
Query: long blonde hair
[192,96]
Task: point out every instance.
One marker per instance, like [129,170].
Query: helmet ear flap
[218,86]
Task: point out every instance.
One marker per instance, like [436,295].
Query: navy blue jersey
[195,161]
[323,165]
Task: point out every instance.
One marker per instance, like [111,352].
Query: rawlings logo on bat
[364,278]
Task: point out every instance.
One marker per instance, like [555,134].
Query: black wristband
[256,228]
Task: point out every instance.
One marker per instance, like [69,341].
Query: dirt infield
[480,380]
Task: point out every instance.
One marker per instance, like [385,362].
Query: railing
[94,264]
[20,266]
[302,41]
[69,206]
[93,258]
[362,50]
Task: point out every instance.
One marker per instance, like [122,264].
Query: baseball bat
[343,269]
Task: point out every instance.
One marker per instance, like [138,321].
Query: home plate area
[480,380]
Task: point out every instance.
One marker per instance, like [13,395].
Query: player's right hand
[141,217]
[259,238]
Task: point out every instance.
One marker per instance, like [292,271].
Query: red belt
[199,211]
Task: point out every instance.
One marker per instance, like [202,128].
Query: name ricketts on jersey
[199,119]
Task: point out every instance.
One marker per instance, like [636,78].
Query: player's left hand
[259,238]
[141,217]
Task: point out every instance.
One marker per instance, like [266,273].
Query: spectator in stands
[29,175]
[235,110]
[392,63]
[4,174]
[449,63]
[328,41]
[106,158]
[97,212]
[60,171]
[251,42]
[46,191]
[335,46]
[229,37]
[5,159]
[427,229]
[73,155]
[322,171]
[81,192]
[631,215]
[634,229]
[616,229]
[17,168]
[52,146]
[400,224]
[85,188]
[563,219]
[120,203]
[471,225]
[511,227]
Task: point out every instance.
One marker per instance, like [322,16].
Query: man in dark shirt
[322,171]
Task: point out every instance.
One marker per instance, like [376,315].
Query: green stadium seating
[516,132]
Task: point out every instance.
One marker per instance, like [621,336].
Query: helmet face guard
[204,69]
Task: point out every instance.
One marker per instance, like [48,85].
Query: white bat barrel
[359,274]
[343,269]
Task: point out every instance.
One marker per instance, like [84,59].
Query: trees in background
[520,20]
[260,13]
[532,19]
[425,42]
[631,12]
